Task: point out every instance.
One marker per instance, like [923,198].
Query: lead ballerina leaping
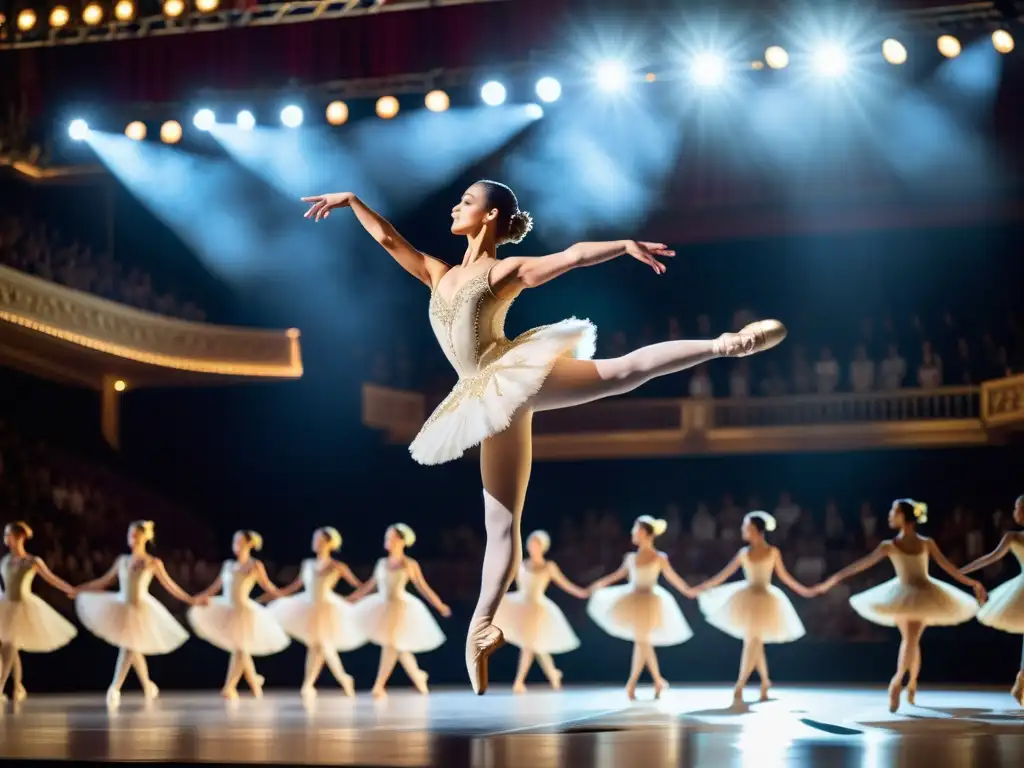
[503,381]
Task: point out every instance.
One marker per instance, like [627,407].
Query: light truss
[266,15]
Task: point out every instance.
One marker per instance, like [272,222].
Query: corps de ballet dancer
[753,610]
[641,611]
[236,623]
[393,618]
[132,620]
[1005,607]
[531,621]
[27,623]
[318,617]
[502,381]
[912,600]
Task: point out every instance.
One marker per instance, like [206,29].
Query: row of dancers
[382,611]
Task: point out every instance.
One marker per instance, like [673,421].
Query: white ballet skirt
[754,607]
[1005,607]
[496,375]
[233,621]
[131,618]
[914,596]
[27,622]
[318,616]
[530,620]
[640,611]
[391,617]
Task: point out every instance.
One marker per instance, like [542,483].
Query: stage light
[548,89]
[830,60]
[204,119]
[92,14]
[493,93]
[650,77]
[120,386]
[437,101]
[611,75]
[708,70]
[291,116]
[207,6]
[59,17]
[174,8]
[124,10]
[337,113]
[78,130]
[1002,41]
[949,46]
[170,132]
[27,19]
[387,107]
[776,57]
[245,120]
[894,52]
[534,111]
[135,130]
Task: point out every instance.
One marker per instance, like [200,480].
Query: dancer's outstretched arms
[787,578]
[678,582]
[264,581]
[285,591]
[853,569]
[51,578]
[994,556]
[722,575]
[101,583]
[563,583]
[211,590]
[368,586]
[611,578]
[531,271]
[346,573]
[426,269]
[416,577]
[943,562]
[160,571]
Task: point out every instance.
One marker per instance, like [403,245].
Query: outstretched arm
[673,578]
[285,591]
[611,578]
[101,583]
[170,584]
[852,569]
[368,586]
[426,269]
[346,573]
[994,556]
[722,575]
[265,583]
[416,577]
[531,271]
[52,579]
[787,578]
[563,583]
[948,567]
[211,590]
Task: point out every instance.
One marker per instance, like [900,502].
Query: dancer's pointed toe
[751,339]
[480,644]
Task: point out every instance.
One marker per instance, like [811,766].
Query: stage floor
[689,726]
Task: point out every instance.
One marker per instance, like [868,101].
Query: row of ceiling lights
[93,13]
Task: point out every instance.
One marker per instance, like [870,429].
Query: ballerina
[318,618]
[394,619]
[531,621]
[1005,607]
[27,623]
[912,600]
[642,611]
[132,620]
[236,623]
[501,381]
[753,610]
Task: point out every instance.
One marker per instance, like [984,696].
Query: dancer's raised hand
[320,206]
[444,610]
[649,253]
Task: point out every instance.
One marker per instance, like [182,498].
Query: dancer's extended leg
[338,671]
[902,666]
[553,673]
[915,631]
[1018,686]
[762,670]
[388,659]
[121,669]
[651,656]
[525,662]
[149,689]
[748,662]
[233,676]
[636,668]
[8,656]
[412,669]
[314,663]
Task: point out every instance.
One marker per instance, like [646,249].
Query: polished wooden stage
[689,726]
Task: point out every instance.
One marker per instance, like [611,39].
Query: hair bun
[519,226]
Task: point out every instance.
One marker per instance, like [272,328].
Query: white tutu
[403,622]
[247,627]
[330,622]
[639,615]
[743,610]
[511,372]
[536,625]
[930,602]
[1005,607]
[30,624]
[145,627]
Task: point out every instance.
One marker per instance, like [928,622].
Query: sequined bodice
[133,578]
[469,323]
[237,581]
[643,576]
[533,584]
[17,573]
[390,581]
[758,573]
[910,569]
[317,582]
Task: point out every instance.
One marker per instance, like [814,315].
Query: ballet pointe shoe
[348,685]
[556,680]
[481,643]
[257,691]
[911,694]
[765,687]
[737,696]
[307,692]
[660,686]
[631,690]
[113,697]
[150,690]
[378,692]
[20,694]
[895,689]
[751,339]
[420,681]
[1018,688]
[229,694]
[518,687]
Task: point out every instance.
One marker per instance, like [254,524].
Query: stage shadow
[734,709]
[831,728]
[959,711]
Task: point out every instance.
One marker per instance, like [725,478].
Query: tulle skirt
[483,404]
[403,623]
[743,610]
[930,602]
[145,627]
[30,624]
[535,625]
[330,622]
[1005,607]
[646,616]
[247,627]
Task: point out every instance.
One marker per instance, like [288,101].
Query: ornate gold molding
[110,328]
[1002,401]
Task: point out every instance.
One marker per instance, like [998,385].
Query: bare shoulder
[436,270]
